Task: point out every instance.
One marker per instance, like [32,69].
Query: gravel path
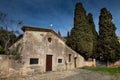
[78,74]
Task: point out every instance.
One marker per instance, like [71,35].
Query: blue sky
[60,13]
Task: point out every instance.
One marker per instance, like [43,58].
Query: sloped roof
[29,28]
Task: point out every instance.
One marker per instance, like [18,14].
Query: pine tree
[81,36]
[94,33]
[108,45]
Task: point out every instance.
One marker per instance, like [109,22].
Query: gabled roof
[29,28]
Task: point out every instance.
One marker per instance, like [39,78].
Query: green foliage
[94,33]
[108,45]
[84,39]
[1,50]
[81,37]
[7,31]
[5,36]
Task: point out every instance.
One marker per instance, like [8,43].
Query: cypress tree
[81,36]
[94,33]
[108,45]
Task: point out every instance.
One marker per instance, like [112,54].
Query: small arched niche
[49,39]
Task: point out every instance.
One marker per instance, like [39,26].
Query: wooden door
[49,63]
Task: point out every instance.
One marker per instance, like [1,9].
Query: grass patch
[104,70]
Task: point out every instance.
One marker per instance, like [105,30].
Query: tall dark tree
[81,36]
[94,33]
[108,45]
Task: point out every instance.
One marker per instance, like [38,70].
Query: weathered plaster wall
[115,64]
[36,45]
[91,63]
[4,64]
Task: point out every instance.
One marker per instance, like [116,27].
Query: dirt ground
[78,74]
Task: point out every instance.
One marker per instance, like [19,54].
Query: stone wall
[115,64]
[11,67]
[4,65]
[91,63]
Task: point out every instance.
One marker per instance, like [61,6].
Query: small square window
[59,60]
[33,60]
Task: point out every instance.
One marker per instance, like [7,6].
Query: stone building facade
[39,50]
[44,50]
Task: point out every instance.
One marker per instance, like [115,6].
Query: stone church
[44,50]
